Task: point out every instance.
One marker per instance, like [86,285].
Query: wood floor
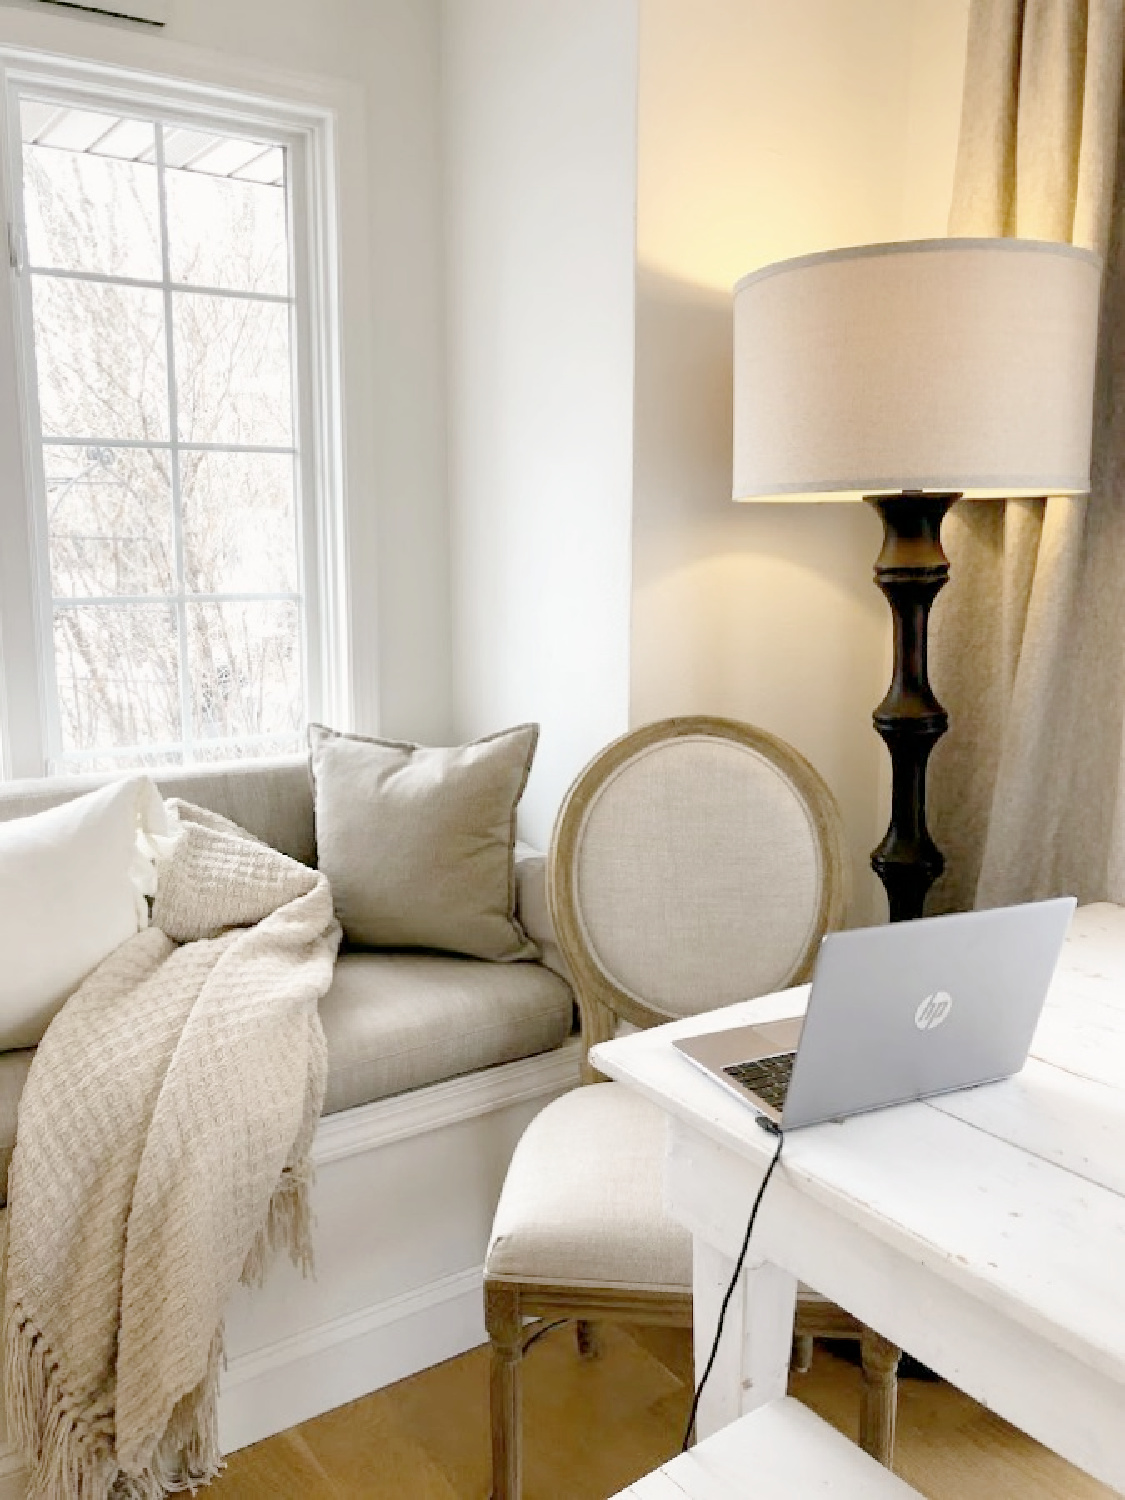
[592,1426]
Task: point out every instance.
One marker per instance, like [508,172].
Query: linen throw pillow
[418,843]
[73,883]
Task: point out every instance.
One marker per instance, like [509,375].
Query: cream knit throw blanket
[163,1151]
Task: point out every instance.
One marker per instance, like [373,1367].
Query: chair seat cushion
[397,1021]
[583,1201]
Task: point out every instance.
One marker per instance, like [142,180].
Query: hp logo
[933,1010]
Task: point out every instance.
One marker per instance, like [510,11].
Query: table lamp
[911,375]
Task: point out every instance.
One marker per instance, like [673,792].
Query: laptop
[897,1013]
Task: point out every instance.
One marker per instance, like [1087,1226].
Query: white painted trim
[298,1378]
[25,729]
[369,1126]
[328,1336]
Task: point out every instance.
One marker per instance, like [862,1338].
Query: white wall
[380,59]
[767,131]
[540,162]
[496,148]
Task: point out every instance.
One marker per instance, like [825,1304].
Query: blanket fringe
[288,1227]
[188,1454]
[70,1446]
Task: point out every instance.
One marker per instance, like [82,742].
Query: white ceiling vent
[151,12]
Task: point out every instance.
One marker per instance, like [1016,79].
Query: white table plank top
[1015,1190]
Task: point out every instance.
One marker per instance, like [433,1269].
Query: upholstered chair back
[694,863]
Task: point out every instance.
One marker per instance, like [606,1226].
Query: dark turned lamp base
[910,570]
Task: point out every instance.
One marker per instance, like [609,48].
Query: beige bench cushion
[583,1201]
[399,1021]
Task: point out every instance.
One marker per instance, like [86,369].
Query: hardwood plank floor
[592,1426]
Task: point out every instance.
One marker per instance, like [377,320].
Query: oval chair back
[694,862]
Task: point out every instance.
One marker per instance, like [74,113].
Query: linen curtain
[1028,644]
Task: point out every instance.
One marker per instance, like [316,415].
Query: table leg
[752,1365]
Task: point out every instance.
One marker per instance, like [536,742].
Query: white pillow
[73,882]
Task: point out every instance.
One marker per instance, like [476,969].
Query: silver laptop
[898,1013]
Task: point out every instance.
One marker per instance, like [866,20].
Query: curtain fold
[1028,643]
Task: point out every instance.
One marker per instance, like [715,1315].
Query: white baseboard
[300,1377]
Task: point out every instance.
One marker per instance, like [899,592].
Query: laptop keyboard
[768,1077]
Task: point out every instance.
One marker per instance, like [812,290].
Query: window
[171,439]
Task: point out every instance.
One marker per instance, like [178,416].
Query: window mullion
[187,718]
[155,445]
[104,278]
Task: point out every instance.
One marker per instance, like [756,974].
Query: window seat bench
[436,1065]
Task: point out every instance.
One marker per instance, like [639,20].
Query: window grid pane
[198,614]
[118,675]
[109,521]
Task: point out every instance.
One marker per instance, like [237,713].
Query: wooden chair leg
[879,1398]
[504,1322]
[589,1342]
[800,1361]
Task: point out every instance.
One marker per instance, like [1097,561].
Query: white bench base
[780,1449]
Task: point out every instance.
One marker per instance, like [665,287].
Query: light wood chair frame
[515,1311]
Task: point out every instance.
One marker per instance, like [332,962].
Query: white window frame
[28,700]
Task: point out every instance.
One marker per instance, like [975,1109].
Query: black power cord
[543,1330]
[774,1130]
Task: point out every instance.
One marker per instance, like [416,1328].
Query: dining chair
[695,862]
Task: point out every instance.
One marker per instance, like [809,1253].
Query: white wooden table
[982,1231]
